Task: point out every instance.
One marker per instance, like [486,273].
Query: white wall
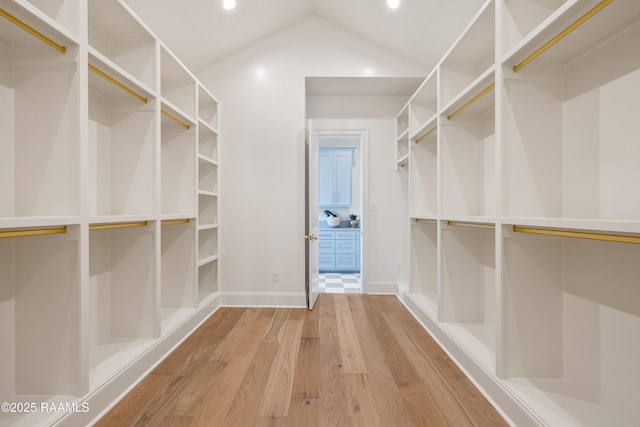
[261,90]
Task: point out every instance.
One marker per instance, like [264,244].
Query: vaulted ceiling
[200,32]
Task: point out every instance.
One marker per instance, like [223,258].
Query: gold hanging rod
[29,29]
[471,224]
[471,101]
[34,232]
[175,221]
[427,133]
[562,34]
[618,238]
[175,119]
[94,227]
[117,84]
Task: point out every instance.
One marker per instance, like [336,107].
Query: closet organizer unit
[523,218]
[108,219]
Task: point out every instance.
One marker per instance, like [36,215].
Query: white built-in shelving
[523,218]
[108,155]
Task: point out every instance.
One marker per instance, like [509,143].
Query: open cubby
[423,171]
[402,121]
[207,244]
[178,86]
[423,106]
[207,176]
[469,289]
[207,108]
[424,266]
[207,142]
[521,17]
[121,151]
[178,154]
[468,163]
[207,209]
[129,44]
[39,306]
[207,280]
[470,57]
[39,125]
[64,12]
[178,280]
[569,132]
[121,297]
[570,329]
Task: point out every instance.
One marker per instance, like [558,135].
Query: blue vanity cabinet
[339,250]
[335,174]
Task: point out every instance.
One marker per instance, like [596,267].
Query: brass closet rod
[175,119]
[471,101]
[94,227]
[175,221]
[427,133]
[33,232]
[471,224]
[584,18]
[617,238]
[29,29]
[117,84]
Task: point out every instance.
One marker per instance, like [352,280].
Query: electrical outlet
[275,276]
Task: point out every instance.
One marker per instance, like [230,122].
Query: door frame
[364,187]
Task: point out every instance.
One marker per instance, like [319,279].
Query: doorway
[340,211]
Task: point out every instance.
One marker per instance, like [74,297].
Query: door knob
[310,237]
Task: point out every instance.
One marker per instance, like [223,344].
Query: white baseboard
[381,288]
[105,397]
[264,299]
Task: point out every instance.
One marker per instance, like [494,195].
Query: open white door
[311,236]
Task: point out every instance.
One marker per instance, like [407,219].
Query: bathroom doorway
[340,210]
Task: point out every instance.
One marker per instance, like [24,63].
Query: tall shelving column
[178,140]
[122,198]
[569,115]
[207,194]
[39,207]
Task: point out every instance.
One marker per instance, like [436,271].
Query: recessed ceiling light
[393,4]
[229,4]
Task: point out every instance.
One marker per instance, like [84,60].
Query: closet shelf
[29,29]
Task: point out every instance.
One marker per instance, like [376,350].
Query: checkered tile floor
[340,283]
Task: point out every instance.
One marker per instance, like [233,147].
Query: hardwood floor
[355,360]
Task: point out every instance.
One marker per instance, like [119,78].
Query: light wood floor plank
[419,401]
[361,404]
[333,405]
[392,408]
[217,402]
[277,396]
[306,383]
[350,350]
[244,409]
